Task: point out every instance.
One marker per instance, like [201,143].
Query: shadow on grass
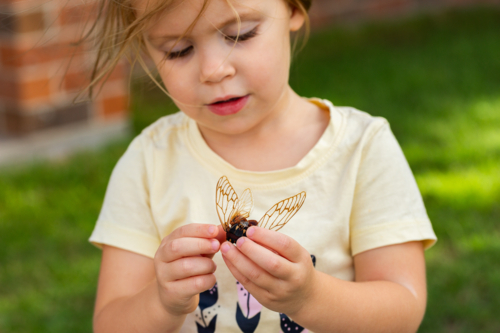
[463,281]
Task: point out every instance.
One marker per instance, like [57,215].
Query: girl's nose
[215,67]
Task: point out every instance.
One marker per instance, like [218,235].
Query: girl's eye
[179,54]
[187,50]
[241,38]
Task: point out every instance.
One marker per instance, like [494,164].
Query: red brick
[39,89]
[120,72]
[113,106]
[8,89]
[76,81]
[29,22]
[14,56]
[37,77]
[81,13]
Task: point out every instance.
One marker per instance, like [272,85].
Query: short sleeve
[126,220]
[387,206]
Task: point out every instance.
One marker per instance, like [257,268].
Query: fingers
[244,269]
[221,238]
[221,234]
[285,246]
[187,267]
[190,240]
[184,267]
[188,287]
[272,263]
[249,285]
[278,255]
[174,249]
[195,230]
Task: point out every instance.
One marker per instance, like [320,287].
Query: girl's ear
[297,19]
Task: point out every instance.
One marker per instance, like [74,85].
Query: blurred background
[432,68]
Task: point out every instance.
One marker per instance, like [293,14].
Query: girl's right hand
[184,266]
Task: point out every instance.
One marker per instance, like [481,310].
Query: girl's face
[225,87]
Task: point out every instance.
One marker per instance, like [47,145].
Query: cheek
[177,83]
[174,77]
[174,86]
[271,66]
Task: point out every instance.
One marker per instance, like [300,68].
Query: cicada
[234,211]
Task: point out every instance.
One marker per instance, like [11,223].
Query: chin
[231,125]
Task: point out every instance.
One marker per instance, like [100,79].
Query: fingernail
[250,232]
[225,248]
[215,245]
[211,229]
[240,241]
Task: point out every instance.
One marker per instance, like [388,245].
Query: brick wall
[38,82]
[324,12]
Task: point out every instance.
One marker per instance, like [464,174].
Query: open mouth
[227,101]
[229,106]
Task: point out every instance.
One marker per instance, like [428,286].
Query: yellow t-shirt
[361,195]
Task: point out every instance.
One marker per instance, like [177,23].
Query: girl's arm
[388,295]
[140,294]
[127,295]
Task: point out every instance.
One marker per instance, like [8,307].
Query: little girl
[351,260]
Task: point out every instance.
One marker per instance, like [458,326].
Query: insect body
[238,228]
[234,212]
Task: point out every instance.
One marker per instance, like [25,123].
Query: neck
[279,141]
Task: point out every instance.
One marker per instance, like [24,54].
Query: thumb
[221,238]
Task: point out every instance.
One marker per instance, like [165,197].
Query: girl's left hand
[274,268]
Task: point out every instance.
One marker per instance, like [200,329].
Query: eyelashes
[235,39]
[241,38]
[179,54]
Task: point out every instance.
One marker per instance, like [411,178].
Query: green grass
[48,271]
[435,78]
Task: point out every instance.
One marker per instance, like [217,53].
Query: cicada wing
[225,201]
[244,204]
[279,214]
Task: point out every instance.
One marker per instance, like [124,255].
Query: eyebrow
[247,16]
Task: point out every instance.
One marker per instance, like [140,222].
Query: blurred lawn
[435,78]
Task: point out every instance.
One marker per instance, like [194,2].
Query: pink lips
[228,106]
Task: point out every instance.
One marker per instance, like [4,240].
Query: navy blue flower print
[247,310]
[206,313]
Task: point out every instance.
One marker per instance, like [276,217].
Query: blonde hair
[118,31]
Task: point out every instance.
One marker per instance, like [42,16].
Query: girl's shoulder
[162,130]
[164,125]
[351,122]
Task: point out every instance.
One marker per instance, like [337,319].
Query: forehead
[179,15]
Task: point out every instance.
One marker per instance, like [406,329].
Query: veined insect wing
[225,201]
[244,204]
[229,206]
[279,214]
